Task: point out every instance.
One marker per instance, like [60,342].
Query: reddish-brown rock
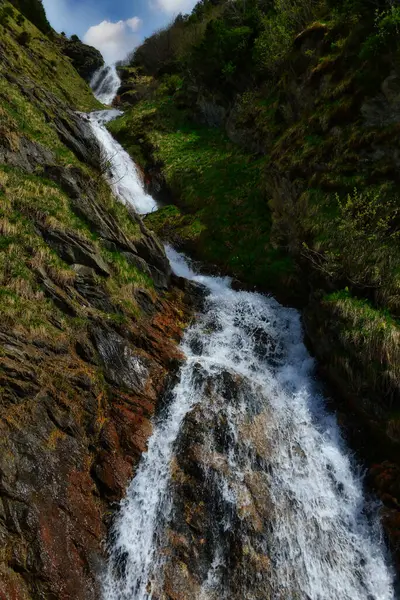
[69,444]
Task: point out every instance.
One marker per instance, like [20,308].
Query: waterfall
[120,171]
[105,84]
[247,490]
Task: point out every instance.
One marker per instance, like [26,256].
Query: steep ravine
[291,187]
[247,489]
[95,366]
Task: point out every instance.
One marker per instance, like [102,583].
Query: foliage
[24,38]
[385,36]
[361,244]
[33,10]
[280,26]
[370,339]
[216,45]
[216,183]
[6,12]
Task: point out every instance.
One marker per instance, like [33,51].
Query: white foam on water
[119,169]
[105,84]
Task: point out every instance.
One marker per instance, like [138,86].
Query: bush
[5,14]
[361,245]
[20,20]
[385,36]
[170,84]
[24,38]
[288,18]
[33,10]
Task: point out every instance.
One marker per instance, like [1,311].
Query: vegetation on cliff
[300,166]
[33,10]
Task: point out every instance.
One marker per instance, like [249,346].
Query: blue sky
[113,26]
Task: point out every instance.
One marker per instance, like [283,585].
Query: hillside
[85,295]
[270,131]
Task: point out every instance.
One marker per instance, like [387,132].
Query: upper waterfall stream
[247,490]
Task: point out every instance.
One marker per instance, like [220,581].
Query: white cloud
[114,40]
[173,7]
[134,23]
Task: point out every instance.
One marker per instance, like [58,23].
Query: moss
[218,186]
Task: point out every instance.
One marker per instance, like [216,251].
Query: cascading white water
[318,537]
[105,84]
[119,169]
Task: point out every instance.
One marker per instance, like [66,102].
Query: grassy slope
[219,188]
[24,198]
[41,61]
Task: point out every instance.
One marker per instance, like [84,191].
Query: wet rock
[122,365]
[76,134]
[216,541]
[195,292]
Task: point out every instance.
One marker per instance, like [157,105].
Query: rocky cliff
[90,319]
[86,59]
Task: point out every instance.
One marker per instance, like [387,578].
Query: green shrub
[280,26]
[385,35]
[24,38]
[274,42]
[170,84]
[360,244]
[5,14]
[33,10]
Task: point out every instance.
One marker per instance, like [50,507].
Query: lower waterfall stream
[247,490]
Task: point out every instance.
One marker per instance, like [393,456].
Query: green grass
[44,64]
[370,339]
[224,215]
[27,199]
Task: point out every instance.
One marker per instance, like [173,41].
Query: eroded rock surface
[82,366]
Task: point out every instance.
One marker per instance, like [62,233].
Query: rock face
[85,58]
[75,416]
[68,448]
[219,525]
[87,342]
